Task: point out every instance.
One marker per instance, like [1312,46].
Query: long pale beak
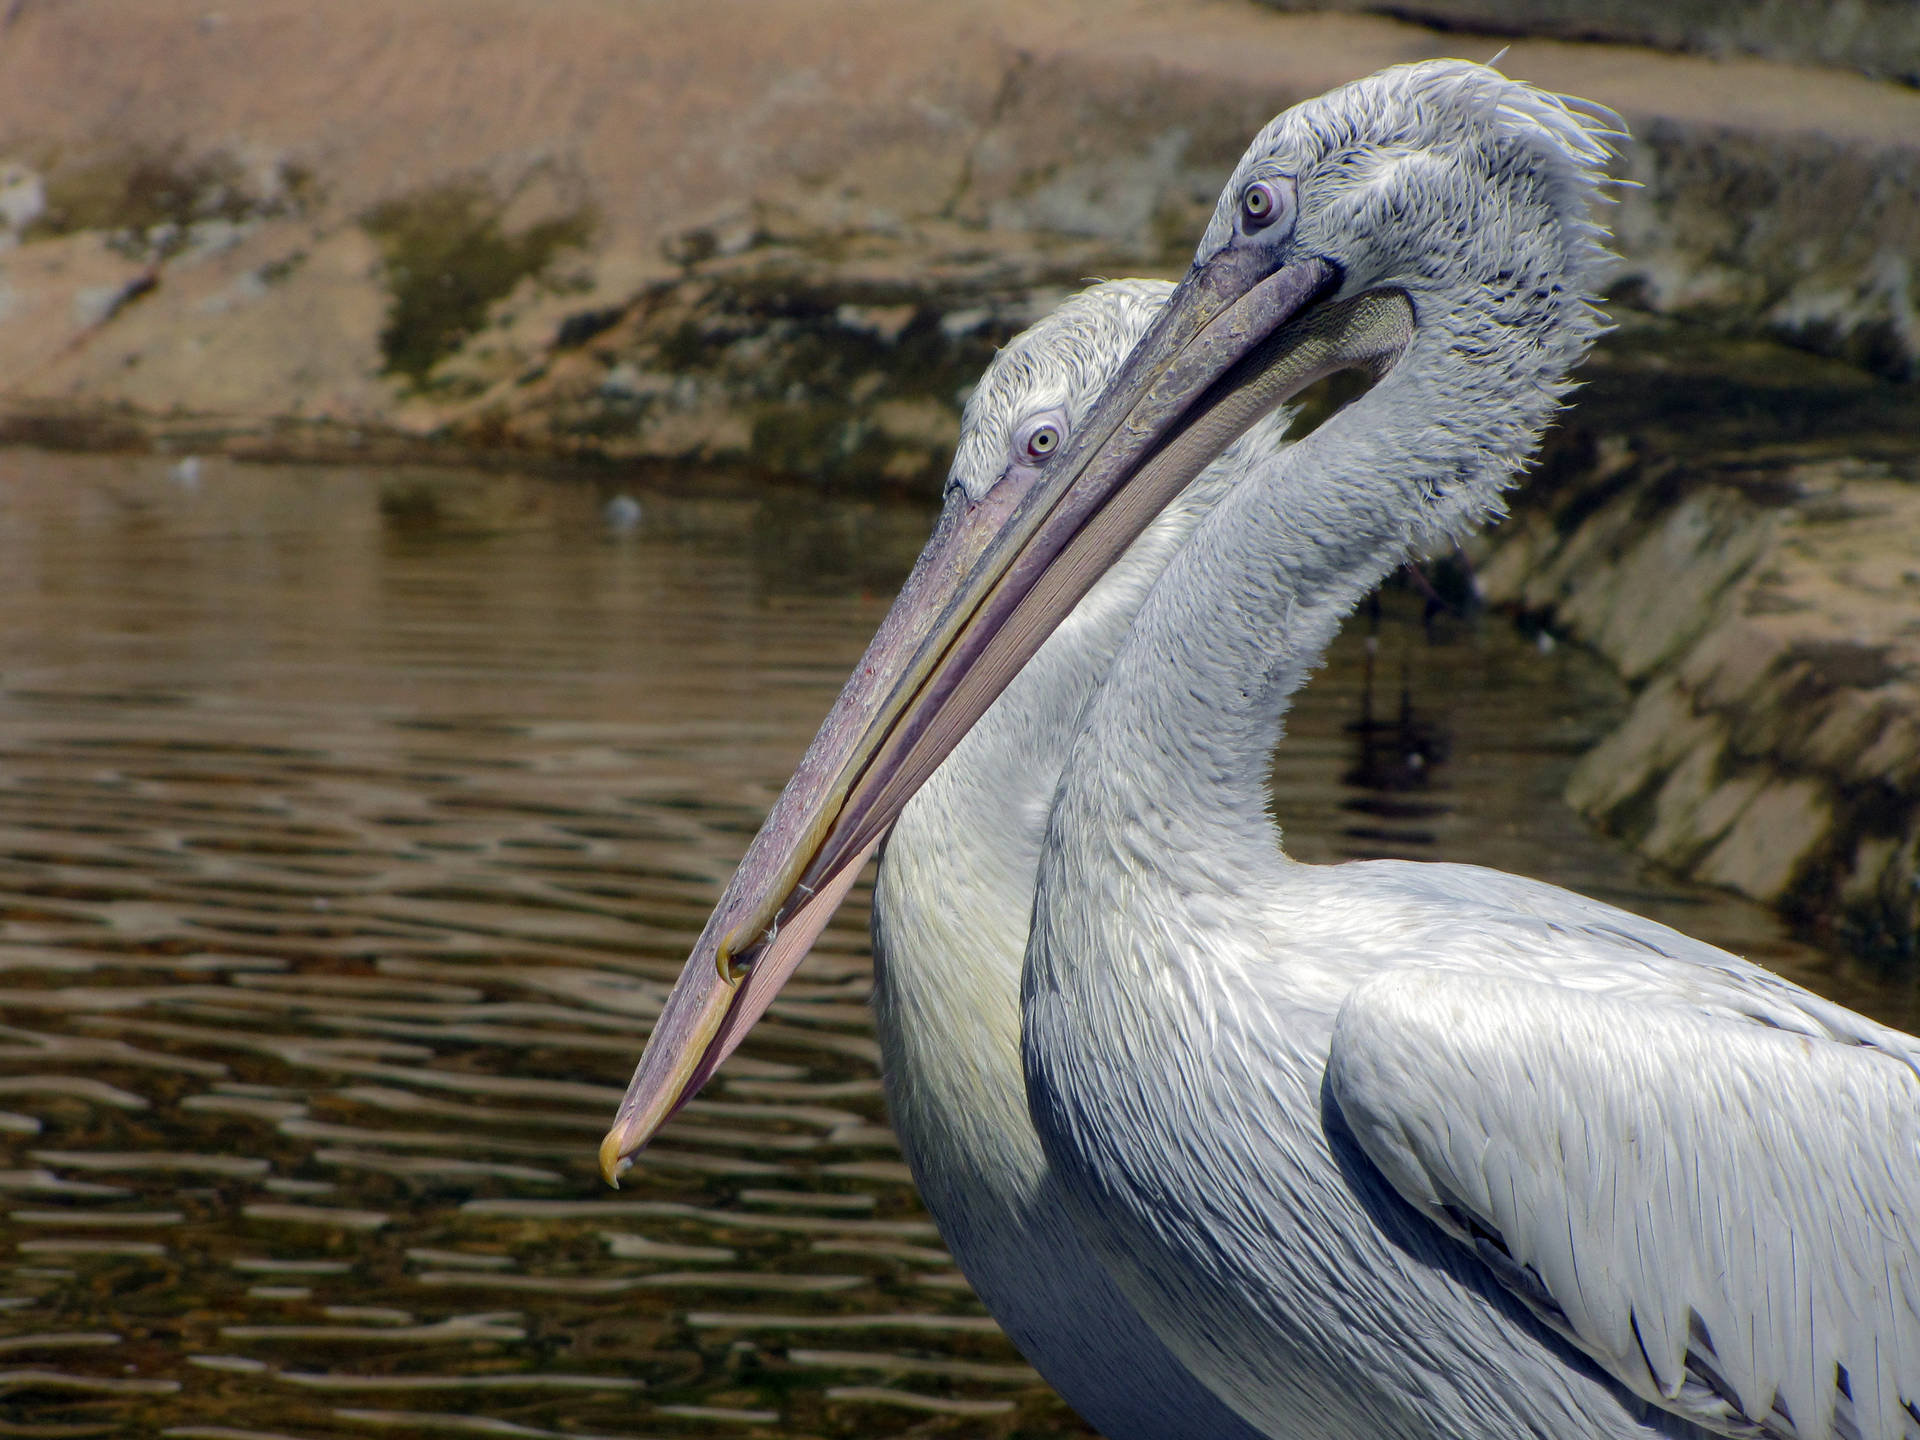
[1235,341]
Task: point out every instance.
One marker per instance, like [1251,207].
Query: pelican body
[1380,1150]
[954,896]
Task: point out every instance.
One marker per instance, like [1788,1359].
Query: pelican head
[1438,204]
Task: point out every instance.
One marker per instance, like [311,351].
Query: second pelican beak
[996,578]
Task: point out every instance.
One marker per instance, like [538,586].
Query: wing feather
[1724,1213]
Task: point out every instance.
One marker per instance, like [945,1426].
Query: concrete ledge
[1740,540]
[1876,37]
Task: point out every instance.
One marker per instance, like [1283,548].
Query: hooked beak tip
[615,1155]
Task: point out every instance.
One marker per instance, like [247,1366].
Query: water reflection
[352,827]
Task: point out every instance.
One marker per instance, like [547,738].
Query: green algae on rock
[448,259]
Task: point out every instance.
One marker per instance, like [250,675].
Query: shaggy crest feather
[1448,109]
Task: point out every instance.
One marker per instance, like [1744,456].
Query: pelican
[955,891]
[1393,1149]
[1377,1150]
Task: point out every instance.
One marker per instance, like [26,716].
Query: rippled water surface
[352,826]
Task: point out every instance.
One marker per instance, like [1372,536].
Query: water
[352,827]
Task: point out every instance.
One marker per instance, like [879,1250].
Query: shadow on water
[352,827]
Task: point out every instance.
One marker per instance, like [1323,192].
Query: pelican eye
[1038,438]
[1263,202]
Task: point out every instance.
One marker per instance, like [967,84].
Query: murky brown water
[352,827]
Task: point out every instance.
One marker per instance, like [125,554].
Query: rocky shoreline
[782,243]
[435,223]
[1737,530]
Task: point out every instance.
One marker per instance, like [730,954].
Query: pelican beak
[1239,336]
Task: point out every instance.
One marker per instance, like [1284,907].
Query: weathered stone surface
[1879,37]
[849,373]
[1657,736]
[1744,540]
[365,219]
[1712,236]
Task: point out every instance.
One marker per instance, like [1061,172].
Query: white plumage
[1391,1150]
[1706,1207]
[951,905]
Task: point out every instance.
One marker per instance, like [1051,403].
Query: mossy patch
[140,190]
[794,372]
[448,259]
[276,272]
[151,198]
